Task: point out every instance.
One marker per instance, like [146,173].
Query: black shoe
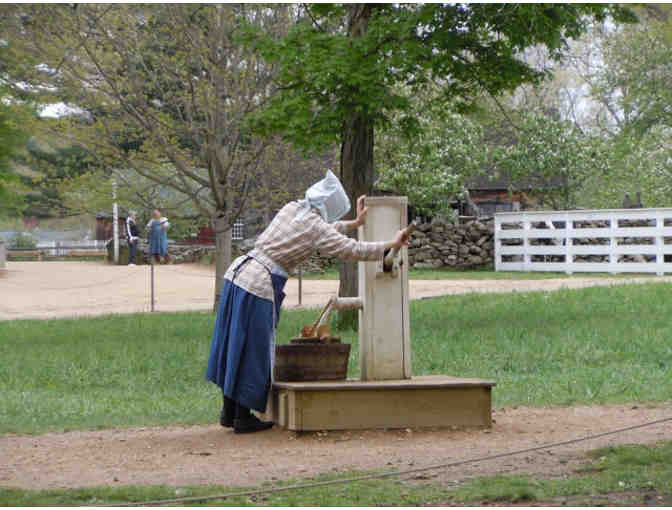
[225,419]
[228,412]
[250,424]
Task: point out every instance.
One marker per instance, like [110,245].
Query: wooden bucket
[309,359]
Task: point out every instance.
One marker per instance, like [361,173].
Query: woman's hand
[401,239]
[361,212]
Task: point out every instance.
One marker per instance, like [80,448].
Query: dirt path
[65,289]
[212,455]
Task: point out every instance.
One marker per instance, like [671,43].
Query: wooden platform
[427,401]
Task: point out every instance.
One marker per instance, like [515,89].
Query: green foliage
[23,241]
[633,89]
[57,168]
[432,166]
[163,90]
[324,75]
[634,80]
[636,164]
[12,139]
[554,159]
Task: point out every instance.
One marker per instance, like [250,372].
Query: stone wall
[584,241]
[432,245]
[443,244]
[178,253]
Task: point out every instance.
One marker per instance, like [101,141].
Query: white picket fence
[63,248]
[596,241]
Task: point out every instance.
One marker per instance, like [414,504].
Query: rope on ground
[196,499]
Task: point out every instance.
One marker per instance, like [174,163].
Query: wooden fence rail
[56,249]
[596,241]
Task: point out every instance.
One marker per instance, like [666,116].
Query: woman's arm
[347,226]
[328,241]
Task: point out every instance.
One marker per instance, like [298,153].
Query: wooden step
[424,401]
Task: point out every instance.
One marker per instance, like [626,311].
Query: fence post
[613,244]
[660,244]
[527,258]
[497,251]
[569,242]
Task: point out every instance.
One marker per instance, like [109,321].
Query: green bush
[23,241]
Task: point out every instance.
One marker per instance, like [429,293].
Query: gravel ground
[64,289]
[212,455]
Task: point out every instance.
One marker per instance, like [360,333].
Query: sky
[56,110]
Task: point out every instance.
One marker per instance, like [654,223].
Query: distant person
[133,235]
[158,237]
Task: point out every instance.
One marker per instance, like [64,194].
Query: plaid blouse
[292,236]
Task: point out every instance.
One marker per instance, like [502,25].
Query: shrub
[23,241]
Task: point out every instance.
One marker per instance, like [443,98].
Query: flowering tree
[636,164]
[432,167]
[555,159]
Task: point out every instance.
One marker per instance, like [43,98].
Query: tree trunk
[356,168]
[222,255]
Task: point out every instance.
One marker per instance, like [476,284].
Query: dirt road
[64,289]
[213,455]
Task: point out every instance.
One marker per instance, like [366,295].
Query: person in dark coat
[133,235]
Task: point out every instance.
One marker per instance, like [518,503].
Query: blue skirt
[240,353]
[158,241]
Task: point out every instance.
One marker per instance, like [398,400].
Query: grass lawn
[629,471]
[594,345]
[447,273]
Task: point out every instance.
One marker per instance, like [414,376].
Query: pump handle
[389,258]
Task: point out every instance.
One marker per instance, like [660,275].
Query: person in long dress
[158,236]
[243,341]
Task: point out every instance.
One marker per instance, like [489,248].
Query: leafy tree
[555,159]
[628,83]
[347,69]
[22,241]
[432,166]
[13,137]
[633,81]
[165,90]
[51,167]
